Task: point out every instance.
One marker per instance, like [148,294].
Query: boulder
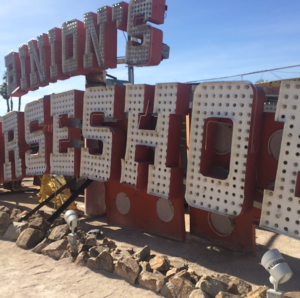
[96,250]
[227,295]
[194,277]
[82,259]
[170,273]
[111,244]
[29,238]
[91,241]
[151,281]
[5,222]
[56,249]
[58,232]
[14,230]
[38,249]
[66,254]
[182,287]
[142,254]
[236,285]
[117,254]
[93,264]
[6,210]
[292,295]
[199,294]
[127,268]
[105,261]
[260,292]
[40,223]
[211,286]
[145,266]
[168,290]
[15,213]
[159,263]
[178,265]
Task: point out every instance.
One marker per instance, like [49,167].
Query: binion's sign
[220,145]
[79,48]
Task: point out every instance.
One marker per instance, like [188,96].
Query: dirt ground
[25,274]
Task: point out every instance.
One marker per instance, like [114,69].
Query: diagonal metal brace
[38,207]
[69,201]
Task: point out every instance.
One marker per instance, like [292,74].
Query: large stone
[145,266]
[194,277]
[151,281]
[178,265]
[118,254]
[93,264]
[182,287]
[168,290]
[142,254]
[6,210]
[14,230]
[5,222]
[105,261]
[198,294]
[127,268]
[236,285]
[227,295]
[211,286]
[292,295]
[91,241]
[96,250]
[29,238]
[260,292]
[66,255]
[40,223]
[111,244]
[82,259]
[59,232]
[15,213]
[38,249]
[159,263]
[170,273]
[56,249]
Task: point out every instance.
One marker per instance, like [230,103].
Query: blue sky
[208,39]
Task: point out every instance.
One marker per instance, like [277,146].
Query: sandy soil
[25,274]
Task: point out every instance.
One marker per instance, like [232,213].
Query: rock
[109,243]
[15,213]
[95,232]
[142,254]
[168,290]
[211,286]
[66,254]
[96,250]
[170,273]
[182,287]
[145,266]
[227,295]
[38,249]
[105,261]
[14,230]
[24,213]
[91,241]
[184,274]
[40,223]
[117,254]
[260,292]
[6,210]
[29,238]
[178,265]
[5,222]
[56,249]
[194,277]
[199,294]
[236,285]
[292,295]
[159,263]
[127,268]
[82,259]
[131,251]
[58,232]
[151,281]
[93,264]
